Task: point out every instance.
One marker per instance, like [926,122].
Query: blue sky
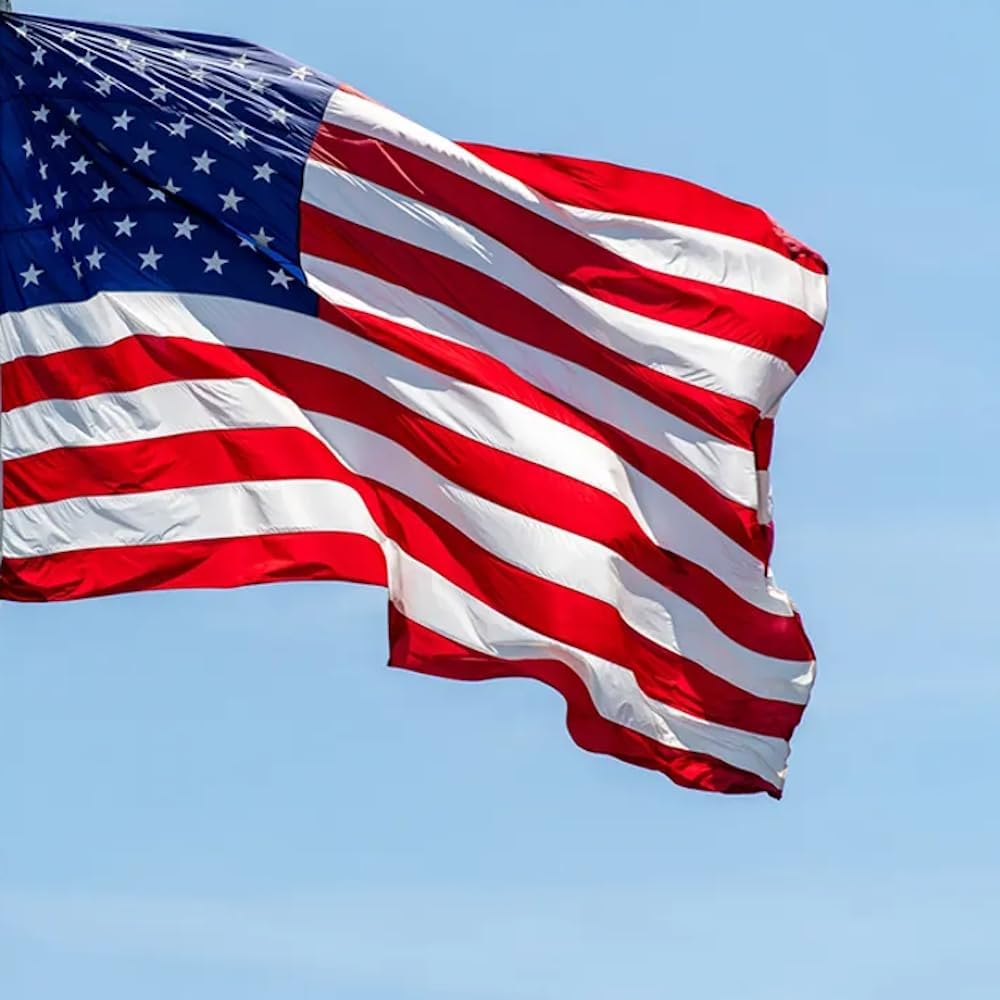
[226,795]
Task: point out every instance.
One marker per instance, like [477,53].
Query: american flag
[256,327]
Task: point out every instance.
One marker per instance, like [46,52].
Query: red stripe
[607,187]
[494,305]
[581,263]
[217,562]
[414,647]
[178,461]
[763,442]
[515,483]
[131,363]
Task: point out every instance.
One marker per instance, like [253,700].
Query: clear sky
[226,796]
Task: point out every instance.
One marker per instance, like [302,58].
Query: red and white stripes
[535,404]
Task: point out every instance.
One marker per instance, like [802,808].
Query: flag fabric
[258,327]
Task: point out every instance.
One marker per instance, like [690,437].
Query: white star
[280,278]
[263,172]
[41,115]
[198,74]
[241,62]
[158,92]
[103,86]
[124,227]
[139,64]
[238,138]
[20,30]
[279,115]
[32,275]
[170,187]
[143,153]
[76,229]
[258,86]
[37,57]
[29,152]
[86,59]
[69,36]
[34,212]
[60,139]
[59,196]
[94,258]
[231,201]
[214,263]
[180,128]
[57,81]
[203,162]
[181,54]
[155,194]
[123,43]
[185,228]
[149,258]
[79,166]
[56,238]
[20,81]
[122,120]
[43,170]
[74,116]
[262,239]
[301,73]
[103,193]
[221,102]
[77,269]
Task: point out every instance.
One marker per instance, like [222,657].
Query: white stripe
[140,414]
[712,363]
[714,258]
[236,510]
[673,249]
[192,513]
[110,317]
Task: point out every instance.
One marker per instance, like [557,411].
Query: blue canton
[146,160]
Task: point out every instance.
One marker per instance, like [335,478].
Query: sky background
[227,796]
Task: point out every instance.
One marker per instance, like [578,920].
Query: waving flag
[258,327]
